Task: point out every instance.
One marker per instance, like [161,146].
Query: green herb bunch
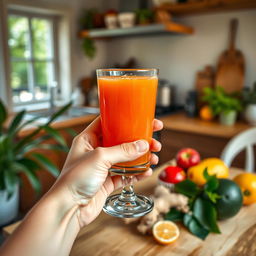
[202,218]
[219,101]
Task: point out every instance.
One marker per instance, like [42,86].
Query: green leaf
[187,188]
[54,147]
[29,163]
[197,229]
[16,123]
[71,132]
[206,214]
[11,180]
[3,114]
[46,163]
[211,184]
[174,215]
[55,134]
[30,173]
[206,174]
[187,218]
[212,196]
[59,113]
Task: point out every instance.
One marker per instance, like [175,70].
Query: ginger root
[163,201]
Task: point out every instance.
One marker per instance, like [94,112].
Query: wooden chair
[243,141]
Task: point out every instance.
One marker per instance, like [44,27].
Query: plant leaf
[30,173]
[16,123]
[71,132]
[206,214]
[3,114]
[55,134]
[46,163]
[59,113]
[187,218]
[174,215]
[197,229]
[187,188]
[212,196]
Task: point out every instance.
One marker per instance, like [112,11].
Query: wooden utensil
[204,78]
[231,65]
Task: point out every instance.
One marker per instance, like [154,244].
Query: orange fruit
[206,113]
[165,232]
[215,166]
[247,183]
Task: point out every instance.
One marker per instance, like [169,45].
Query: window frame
[31,59]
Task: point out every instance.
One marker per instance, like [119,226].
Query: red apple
[187,157]
[172,174]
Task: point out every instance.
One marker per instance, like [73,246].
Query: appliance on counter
[191,104]
[165,97]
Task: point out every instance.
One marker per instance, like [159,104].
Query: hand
[85,173]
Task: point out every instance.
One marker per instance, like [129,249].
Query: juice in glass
[127,107]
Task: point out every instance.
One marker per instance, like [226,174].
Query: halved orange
[165,232]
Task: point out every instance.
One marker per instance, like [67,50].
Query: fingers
[155,146]
[154,159]
[157,125]
[122,153]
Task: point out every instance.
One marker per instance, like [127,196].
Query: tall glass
[127,106]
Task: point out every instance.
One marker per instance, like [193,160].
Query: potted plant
[225,105]
[249,98]
[144,16]
[17,156]
[90,19]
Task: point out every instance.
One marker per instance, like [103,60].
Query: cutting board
[109,236]
[231,65]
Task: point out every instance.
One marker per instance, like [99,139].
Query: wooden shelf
[207,6]
[165,28]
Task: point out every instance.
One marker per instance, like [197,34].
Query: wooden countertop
[110,236]
[180,122]
[58,124]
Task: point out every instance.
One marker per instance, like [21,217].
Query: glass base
[128,207]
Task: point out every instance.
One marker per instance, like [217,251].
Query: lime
[231,200]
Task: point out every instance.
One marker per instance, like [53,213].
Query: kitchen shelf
[207,6]
[163,28]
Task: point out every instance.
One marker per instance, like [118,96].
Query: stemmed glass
[127,106]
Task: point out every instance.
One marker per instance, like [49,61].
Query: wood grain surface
[231,65]
[109,236]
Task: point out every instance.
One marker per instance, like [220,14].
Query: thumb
[125,152]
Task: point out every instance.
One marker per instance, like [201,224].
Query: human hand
[85,176]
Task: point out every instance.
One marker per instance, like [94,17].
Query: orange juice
[127,107]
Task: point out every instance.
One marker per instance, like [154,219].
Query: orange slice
[165,232]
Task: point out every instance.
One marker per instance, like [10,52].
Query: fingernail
[141,146]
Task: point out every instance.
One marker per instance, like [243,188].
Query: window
[33,61]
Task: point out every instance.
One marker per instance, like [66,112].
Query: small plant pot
[8,208]
[110,21]
[126,19]
[250,114]
[228,118]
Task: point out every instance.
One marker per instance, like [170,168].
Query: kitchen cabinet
[209,138]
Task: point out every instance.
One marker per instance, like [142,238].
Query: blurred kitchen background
[49,51]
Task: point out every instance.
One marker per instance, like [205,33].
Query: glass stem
[127,195]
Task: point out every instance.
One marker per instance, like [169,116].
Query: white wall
[180,57]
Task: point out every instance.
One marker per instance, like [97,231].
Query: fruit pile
[212,196]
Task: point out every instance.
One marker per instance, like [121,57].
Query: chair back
[243,141]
